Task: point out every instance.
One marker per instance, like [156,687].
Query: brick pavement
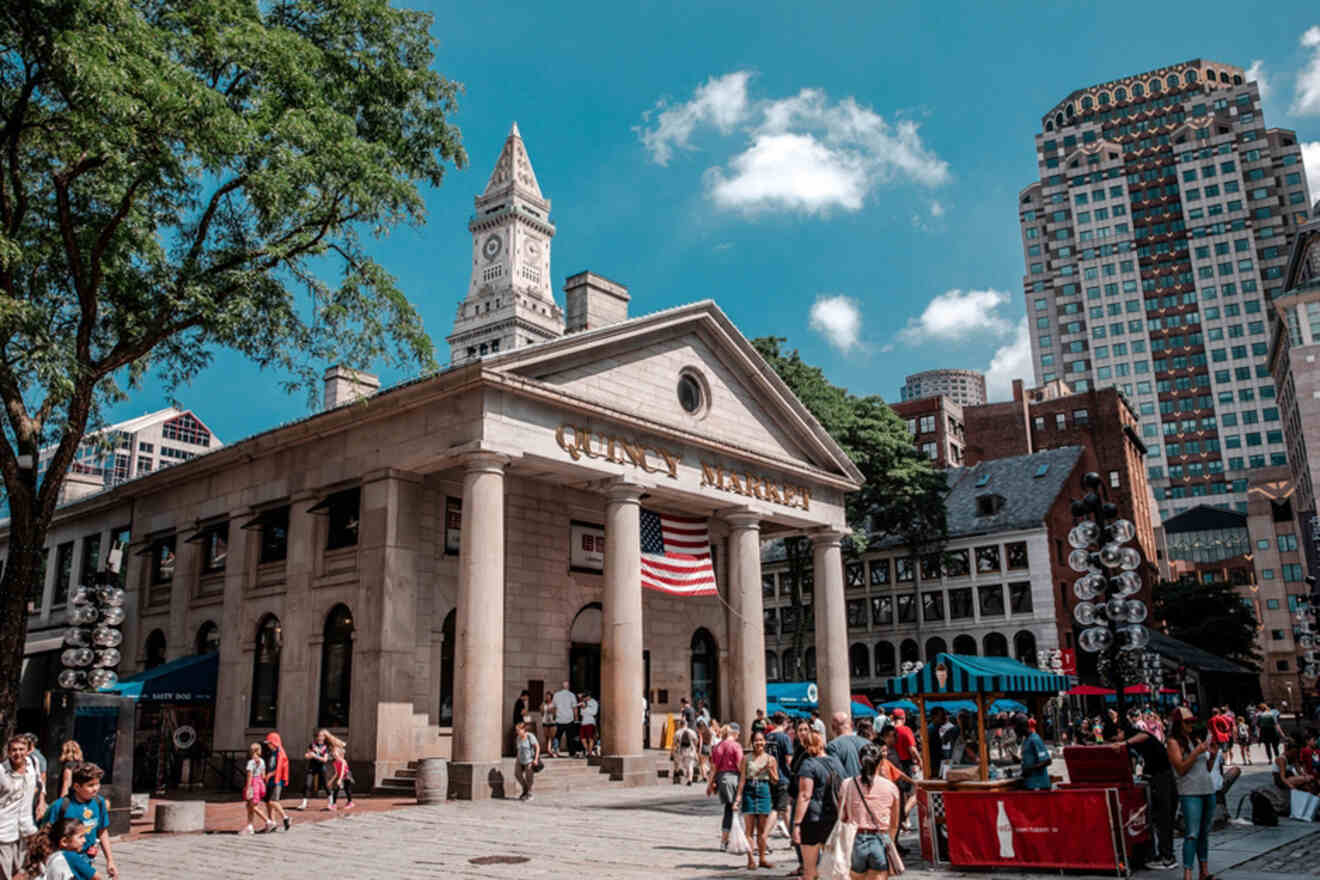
[230,815]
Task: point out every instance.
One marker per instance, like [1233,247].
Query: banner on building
[586,550]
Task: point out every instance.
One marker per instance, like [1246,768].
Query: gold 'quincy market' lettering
[581,442]
[754,486]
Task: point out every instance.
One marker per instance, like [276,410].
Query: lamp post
[1109,580]
[1305,629]
[91,643]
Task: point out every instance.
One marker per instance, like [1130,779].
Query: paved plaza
[606,833]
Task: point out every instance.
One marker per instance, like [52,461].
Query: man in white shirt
[565,702]
[587,711]
[18,787]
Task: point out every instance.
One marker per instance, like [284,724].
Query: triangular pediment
[513,169]
[634,368]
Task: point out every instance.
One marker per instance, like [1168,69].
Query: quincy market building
[400,565]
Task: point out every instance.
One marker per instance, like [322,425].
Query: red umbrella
[1089,690]
[1169,690]
[861,698]
[1135,689]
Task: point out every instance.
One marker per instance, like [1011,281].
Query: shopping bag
[836,854]
[1304,805]
[738,843]
[896,866]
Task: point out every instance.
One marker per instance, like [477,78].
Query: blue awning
[970,674]
[861,710]
[791,711]
[792,693]
[186,680]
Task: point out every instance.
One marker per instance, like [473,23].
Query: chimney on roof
[1017,390]
[591,301]
[345,385]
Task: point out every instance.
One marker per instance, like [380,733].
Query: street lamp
[1109,580]
[91,643]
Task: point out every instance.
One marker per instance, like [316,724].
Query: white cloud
[1011,361]
[956,315]
[936,209]
[1256,72]
[838,319]
[1306,98]
[720,101]
[802,153]
[1311,159]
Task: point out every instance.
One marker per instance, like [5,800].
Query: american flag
[676,555]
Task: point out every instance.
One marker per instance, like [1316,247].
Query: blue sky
[843,175]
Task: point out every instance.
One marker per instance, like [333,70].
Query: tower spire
[513,169]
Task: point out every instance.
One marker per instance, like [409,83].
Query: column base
[631,770]
[478,780]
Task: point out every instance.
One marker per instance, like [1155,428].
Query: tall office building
[1157,234]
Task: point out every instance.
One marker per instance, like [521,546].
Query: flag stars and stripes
[676,554]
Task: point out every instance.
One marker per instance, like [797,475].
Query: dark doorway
[584,650]
[447,668]
[705,669]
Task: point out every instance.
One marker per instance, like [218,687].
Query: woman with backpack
[819,779]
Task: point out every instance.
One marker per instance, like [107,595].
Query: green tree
[903,495]
[1213,617]
[176,177]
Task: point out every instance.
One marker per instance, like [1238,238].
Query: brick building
[937,429]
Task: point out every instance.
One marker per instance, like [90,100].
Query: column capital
[742,519]
[484,462]
[621,491]
[828,537]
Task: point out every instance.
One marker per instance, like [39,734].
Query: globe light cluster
[91,644]
[1305,618]
[1109,581]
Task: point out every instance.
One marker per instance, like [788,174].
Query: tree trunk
[22,568]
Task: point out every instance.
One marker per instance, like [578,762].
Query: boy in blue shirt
[1035,756]
[87,807]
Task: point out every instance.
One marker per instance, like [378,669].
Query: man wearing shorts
[587,711]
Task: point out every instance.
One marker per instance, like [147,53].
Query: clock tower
[509,303]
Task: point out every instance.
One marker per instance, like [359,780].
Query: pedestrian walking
[687,713]
[870,801]
[277,777]
[1196,790]
[904,747]
[85,805]
[704,740]
[757,777]
[565,710]
[38,760]
[317,775]
[683,755]
[548,726]
[528,754]
[1034,754]
[56,854]
[71,755]
[1244,739]
[1267,724]
[846,745]
[18,786]
[780,746]
[341,787]
[254,790]
[726,765]
[588,710]
[819,781]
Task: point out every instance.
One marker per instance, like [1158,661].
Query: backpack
[1262,810]
[1266,721]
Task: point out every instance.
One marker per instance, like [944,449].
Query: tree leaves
[1212,617]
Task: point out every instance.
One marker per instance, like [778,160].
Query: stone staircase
[560,775]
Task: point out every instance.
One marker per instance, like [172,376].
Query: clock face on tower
[490,248]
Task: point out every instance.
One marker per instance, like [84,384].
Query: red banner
[1068,658]
[1048,829]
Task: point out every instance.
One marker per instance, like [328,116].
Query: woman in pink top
[871,801]
[726,762]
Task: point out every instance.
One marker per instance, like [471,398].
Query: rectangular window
[162,560]
[882,610]
[274,525]
[907,608]
[905,569]
[91,557]
[63,574]
[1292,571]
[932,606]
[1019,597]
[987,558]
[960,603]
[991,599]
[956,564]
[1015,554]
[342,510]
[879,572]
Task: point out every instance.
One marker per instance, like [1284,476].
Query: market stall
[985,819]
[798,699]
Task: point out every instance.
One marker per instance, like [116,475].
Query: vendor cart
[985,822]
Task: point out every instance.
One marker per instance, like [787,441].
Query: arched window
[996,645]
[1024,647]
[705,669]
[791,666]
[810,663]
[1237,79]
[859,661]
[584,655]
[208,638]
[1120,94]
[1171,80]
[1210,76]
[908,652]
[965,645]
[1103,99]
[1223,77]
[934,647]
[1069,111]
[1086,102]
[447,668]
[155,649]
[266,673]
[336,668]
[1058,119]
[1049,126]
[1156,87]
[1189,77]
[1138,90]
[771,666]
[884,660]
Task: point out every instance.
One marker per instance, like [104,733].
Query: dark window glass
[996,645]
[882,610]
[215,547]
[208,638]
[885,664]
[955,563]
[336,668]
[91,557]
[932,606]
[1019,597]
[930,567]
[905,569]
[856,612]
[789,620]
[342,508]
[162,560]
[965,645]
[987,558]
[907,608]
[960,603]
[855,572]
[155,649]
[767,585]
[266,673]
[771,619]
[1015,555]
[859,661]
[63,574]
[991,597]
[879,572]
[274,535]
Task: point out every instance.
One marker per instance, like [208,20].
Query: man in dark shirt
[1163,789]
[938,718]
[780,746]
[846,745]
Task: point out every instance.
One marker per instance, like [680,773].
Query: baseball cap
[899,713]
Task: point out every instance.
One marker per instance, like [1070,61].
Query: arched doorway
[934,647]
[965,644]
[208,638]
[705,670]
[885,667]
[155,649]
[908,652]
[584,650]
[996,645]
[859,661]
[447,668]
[1024,647]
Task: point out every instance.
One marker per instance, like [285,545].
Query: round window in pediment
[690,395]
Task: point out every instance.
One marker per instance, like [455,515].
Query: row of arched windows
[887,659]
[1138,90]
[336,666]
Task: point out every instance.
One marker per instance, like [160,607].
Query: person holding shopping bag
[870,801]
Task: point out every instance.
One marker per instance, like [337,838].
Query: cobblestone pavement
[605,833]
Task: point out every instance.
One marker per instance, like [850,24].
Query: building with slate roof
[999,588]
